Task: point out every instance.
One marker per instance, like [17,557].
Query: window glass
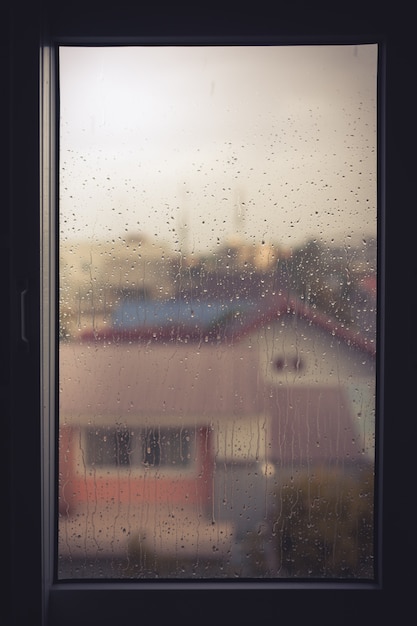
[217,306]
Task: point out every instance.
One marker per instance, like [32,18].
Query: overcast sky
[193,145]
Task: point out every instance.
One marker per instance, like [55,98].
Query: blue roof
[156,314]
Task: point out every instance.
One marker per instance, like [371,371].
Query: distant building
[96,275]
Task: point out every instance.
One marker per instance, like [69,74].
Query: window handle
[23,336]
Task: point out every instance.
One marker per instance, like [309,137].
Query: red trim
[271,310]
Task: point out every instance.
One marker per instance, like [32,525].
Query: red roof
[236,325]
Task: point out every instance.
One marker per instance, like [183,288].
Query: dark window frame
[34,596]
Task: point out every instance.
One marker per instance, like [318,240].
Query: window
[108,447]
[25,367]
[132,447]
[210,249]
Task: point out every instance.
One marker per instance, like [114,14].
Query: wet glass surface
[217,340]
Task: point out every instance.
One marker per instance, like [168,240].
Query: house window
[108,447]
[137,447]
[296,363]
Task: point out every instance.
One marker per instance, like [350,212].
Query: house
[180,431]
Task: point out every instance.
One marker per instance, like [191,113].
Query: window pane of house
[217,246]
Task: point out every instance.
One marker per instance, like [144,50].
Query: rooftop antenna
[183,232]
[239,213]
[182,224]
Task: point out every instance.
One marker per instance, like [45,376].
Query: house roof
[218,321]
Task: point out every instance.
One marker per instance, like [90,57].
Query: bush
[324,526]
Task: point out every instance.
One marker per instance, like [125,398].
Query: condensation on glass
[217,301]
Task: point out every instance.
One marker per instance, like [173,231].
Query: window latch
[23,335]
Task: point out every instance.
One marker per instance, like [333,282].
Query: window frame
[34,593]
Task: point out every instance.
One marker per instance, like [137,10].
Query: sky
[197,145]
